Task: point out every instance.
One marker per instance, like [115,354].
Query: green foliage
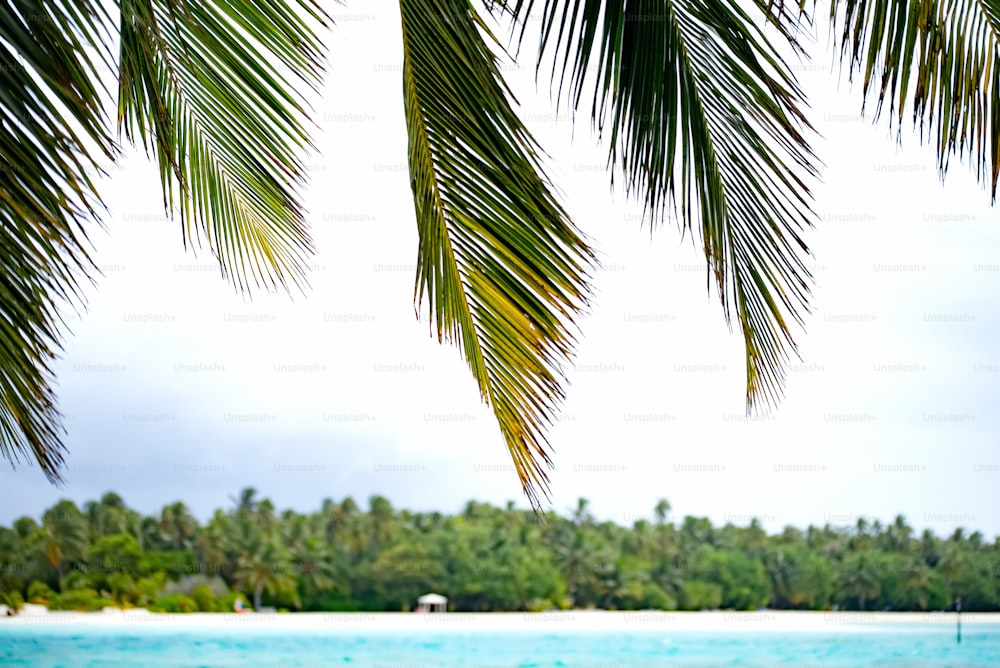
[174,603]
[706,122]
[979,584]
[263,565]
[178,525]
[77,580]
[859,578]
[54,135]
[175,563]
[213,87]
[500,264]
[655,598]
[122,588]
[698,595]
[341,558]
[118,552]
[399,575]
[64,533]
[39,593]
[744,583]
[202,595]
[799,578]
[85,599]
[331,601]
[147,590]
[12,599]
[538,605]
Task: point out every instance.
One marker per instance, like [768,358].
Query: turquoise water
[79,647]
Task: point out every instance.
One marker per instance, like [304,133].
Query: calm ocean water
[52,645]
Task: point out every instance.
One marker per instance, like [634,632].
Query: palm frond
[202,82]
[941,58]
[503,269]
[52,132]
[704,118]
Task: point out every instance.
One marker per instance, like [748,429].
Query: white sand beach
[573,620]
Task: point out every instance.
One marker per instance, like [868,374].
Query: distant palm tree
[218,541]
[581,514]
[581,555]
[662,511]
[380,514]
[952,563]
[65,535]
[266,518]
[702,117]
[103,519]
[930,548]
[147,533]
[113,500]
[755,537]
[782,578]
[317,565]
[266,566]
[860,580]
[178,526]
[919,586]
[639,542]
[247,501]
[350,527]
[898,536]
[330,519]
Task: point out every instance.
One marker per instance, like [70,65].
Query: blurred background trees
[343,557]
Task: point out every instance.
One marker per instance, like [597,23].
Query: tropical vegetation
[341,557]
[696,102]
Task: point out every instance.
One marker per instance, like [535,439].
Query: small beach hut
[432,603]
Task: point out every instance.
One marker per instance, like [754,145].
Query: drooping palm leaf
[201,81]
[942,58]
[704,118]
[501,266]
[51,133]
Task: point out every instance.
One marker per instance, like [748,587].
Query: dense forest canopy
[342,557]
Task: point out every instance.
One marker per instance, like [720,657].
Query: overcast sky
[177,388]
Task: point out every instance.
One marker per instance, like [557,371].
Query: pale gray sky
[176,388]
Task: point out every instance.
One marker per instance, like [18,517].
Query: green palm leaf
[201,81]
[51,127]
[503,269]
[703,117]
[942,57]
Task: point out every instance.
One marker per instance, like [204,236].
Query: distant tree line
[343,558]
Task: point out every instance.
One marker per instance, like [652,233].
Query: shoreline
[570,620]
